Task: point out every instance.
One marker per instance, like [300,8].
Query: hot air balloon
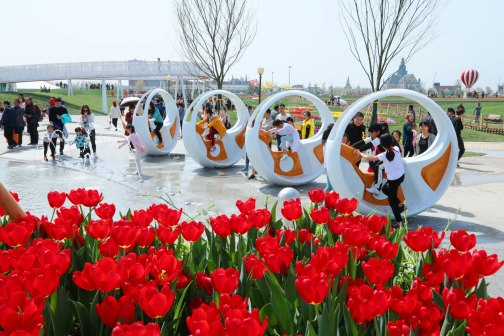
[469,77]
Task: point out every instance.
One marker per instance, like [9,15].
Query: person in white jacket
[86,121]
[115,113]
[288,135]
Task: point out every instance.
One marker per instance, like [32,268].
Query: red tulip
[398,328]
[305,236]
[166,216]
[320,216]
[56,199]
[346,206]
[164,267]
[384,249]
[15,196]
[279,262]
[101,276]
[108,311]
[141,218]
[462,241]
[145,237]
[488,319]
[73,214]
[331,200]
[221,225]
[456,264]
[331,260]
[167,235]
[240,224]
[292,209]
[375,223]
[17,233]
[259,217]
[365,303]
[137,329]
[192,231]
[62,228]
[108,248]
[100,229]
[225,281]
[267,245]
[205,282]
[422,239]
[286,235]
[316,195]
[378,272]
[21,315]
[124,233]
[355,235]
[312,285]
[460,306]
[105,210]
[42,284]
[255,266]
[156,303]
[433,274]
[205,320]
[86,197]
[247,206]
[245,323]
[485,265]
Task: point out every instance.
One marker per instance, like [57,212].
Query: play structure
[171,125]
[229,144]
[302,166]
[427,176]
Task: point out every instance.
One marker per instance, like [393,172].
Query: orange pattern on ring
[433,173]
[367,178]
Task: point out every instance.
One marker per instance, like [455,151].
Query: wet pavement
[472,203]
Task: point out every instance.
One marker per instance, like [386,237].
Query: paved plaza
[473,201]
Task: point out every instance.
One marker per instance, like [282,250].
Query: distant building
[401,79]
[446,90]
[500,89]
[348,86]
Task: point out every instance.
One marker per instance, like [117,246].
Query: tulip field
[89,269]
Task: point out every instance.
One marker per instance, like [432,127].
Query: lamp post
[260,71]
[272,81]
[290,66]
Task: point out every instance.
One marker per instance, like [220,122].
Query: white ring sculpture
[427,176]
[170,130]
[230,148]
[300,167]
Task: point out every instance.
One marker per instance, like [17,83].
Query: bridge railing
[97,70]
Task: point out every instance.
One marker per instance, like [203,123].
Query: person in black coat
[459,126]
[55,117]
[20,123]
[32,115]
[9,124]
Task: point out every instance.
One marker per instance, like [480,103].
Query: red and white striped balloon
[469,77]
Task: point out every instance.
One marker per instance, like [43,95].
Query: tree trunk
[374,116]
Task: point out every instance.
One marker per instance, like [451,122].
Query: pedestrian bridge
[134,69]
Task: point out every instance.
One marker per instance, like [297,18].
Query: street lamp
[260,71]
[290,66]
[272,82]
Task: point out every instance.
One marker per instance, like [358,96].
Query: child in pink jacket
[136,146]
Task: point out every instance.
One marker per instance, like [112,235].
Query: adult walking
[56,113]
[459,126]
[33,115]
[408,136]
[86,121]
[425,139]
[115,113]
[392,162]
[20,123]
[9,124]
[477,113]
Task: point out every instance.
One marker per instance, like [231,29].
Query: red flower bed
[89,270]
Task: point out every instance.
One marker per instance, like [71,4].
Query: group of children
[81,141]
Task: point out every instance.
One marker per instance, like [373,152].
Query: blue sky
[305,34]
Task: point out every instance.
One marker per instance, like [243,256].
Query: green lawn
[72,103]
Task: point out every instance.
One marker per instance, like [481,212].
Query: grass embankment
[72,103]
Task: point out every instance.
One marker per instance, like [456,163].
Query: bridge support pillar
[104,97]
[69,88]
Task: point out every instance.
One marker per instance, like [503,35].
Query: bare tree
[380,31]
[214,34]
